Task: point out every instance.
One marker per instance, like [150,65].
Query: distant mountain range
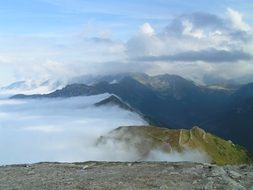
[32,86]
[174,102]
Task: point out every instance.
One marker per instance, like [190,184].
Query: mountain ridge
[175,102]
[114,100]
[151,138]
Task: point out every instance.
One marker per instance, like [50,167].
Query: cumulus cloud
[147,29]
[200,31]
[237,20]
[198,22]
[188,39]
[192,45]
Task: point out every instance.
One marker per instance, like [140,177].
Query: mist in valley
[59,129]
[67,130]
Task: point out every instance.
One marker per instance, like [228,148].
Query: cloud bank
[68,130]
[193,45]
[209,55]
[60,130]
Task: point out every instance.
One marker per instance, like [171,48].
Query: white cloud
[60,130]
[188,30]
[68,130]
[198,44]
[237,20]
[65,56]
[147,29]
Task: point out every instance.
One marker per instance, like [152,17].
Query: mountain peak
[114,100]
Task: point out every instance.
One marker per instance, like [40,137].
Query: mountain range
[174,102]
[32,86]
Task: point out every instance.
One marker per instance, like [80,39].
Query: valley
[174,102]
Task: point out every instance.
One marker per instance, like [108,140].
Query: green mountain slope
[168,140]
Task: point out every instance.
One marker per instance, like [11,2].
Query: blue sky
[38,25]
[123,17]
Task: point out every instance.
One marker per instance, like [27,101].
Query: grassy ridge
[219,150]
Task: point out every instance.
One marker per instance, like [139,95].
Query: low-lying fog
[58,129]
[65,130]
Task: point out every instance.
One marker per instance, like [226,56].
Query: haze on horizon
[61,39]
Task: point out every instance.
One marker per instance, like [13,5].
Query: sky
[61,39]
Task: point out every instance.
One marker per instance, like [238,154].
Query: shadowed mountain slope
[174,102]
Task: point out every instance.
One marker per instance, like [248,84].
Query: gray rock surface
[118,175]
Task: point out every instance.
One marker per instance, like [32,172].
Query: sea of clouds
[67,130]
[58,129]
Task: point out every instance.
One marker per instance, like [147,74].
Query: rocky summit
[118,175]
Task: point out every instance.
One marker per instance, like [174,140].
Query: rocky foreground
[118,175]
